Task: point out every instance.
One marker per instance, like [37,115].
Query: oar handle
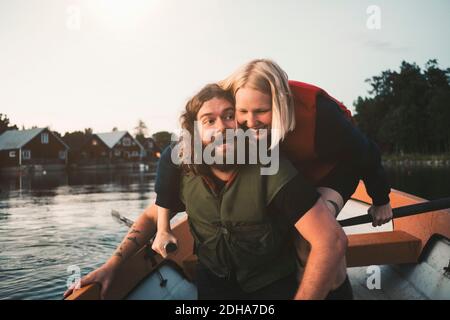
[171,247]
[399,212]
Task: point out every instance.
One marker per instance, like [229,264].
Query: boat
[408,258]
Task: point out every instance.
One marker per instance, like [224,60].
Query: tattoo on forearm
[118,253]
[133,230]
[134,240]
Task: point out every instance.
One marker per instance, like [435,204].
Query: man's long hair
[188,119]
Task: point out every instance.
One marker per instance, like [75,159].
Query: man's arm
[328,246]
[139,234]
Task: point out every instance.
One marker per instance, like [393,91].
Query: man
[242,221]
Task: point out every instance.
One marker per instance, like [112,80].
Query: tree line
[408,111]
[405,112]
[76,139]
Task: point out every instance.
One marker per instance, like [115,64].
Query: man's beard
[224,166]
[248,152]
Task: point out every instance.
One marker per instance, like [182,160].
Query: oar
[121,218]
[170,246]
[399,212]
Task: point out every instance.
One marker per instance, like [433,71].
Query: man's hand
[380,214]
[163,237]
[103,276]
[137,236]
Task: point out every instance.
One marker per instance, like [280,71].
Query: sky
[75,64]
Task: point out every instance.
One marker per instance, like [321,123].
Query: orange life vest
[299,144]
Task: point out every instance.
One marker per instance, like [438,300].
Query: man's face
[213,118]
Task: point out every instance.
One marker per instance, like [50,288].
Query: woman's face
[253,109]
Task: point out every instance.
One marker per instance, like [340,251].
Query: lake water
[49,223]
[426,182]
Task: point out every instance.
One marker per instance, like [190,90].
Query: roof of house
[16,139]
[111,138]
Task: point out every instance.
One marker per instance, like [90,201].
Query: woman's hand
[162,238]
[380,214]
[103,276]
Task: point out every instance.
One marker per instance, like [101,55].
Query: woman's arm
[338,138]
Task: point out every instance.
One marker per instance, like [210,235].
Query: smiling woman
[120,14]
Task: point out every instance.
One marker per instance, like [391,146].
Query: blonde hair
[267,77]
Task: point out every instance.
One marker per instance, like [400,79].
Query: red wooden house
[33,147]
[110,148]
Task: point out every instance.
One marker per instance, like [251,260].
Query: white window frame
[12,154]
[44,138]
[26,154]
[117,153]
[126,142]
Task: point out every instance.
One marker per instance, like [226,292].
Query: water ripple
[46,229]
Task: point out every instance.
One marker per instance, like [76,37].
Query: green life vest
[234,231]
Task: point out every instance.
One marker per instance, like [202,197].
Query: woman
[316,133]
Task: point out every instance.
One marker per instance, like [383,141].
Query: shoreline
[416,160]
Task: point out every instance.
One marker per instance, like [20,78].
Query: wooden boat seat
[393,247]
